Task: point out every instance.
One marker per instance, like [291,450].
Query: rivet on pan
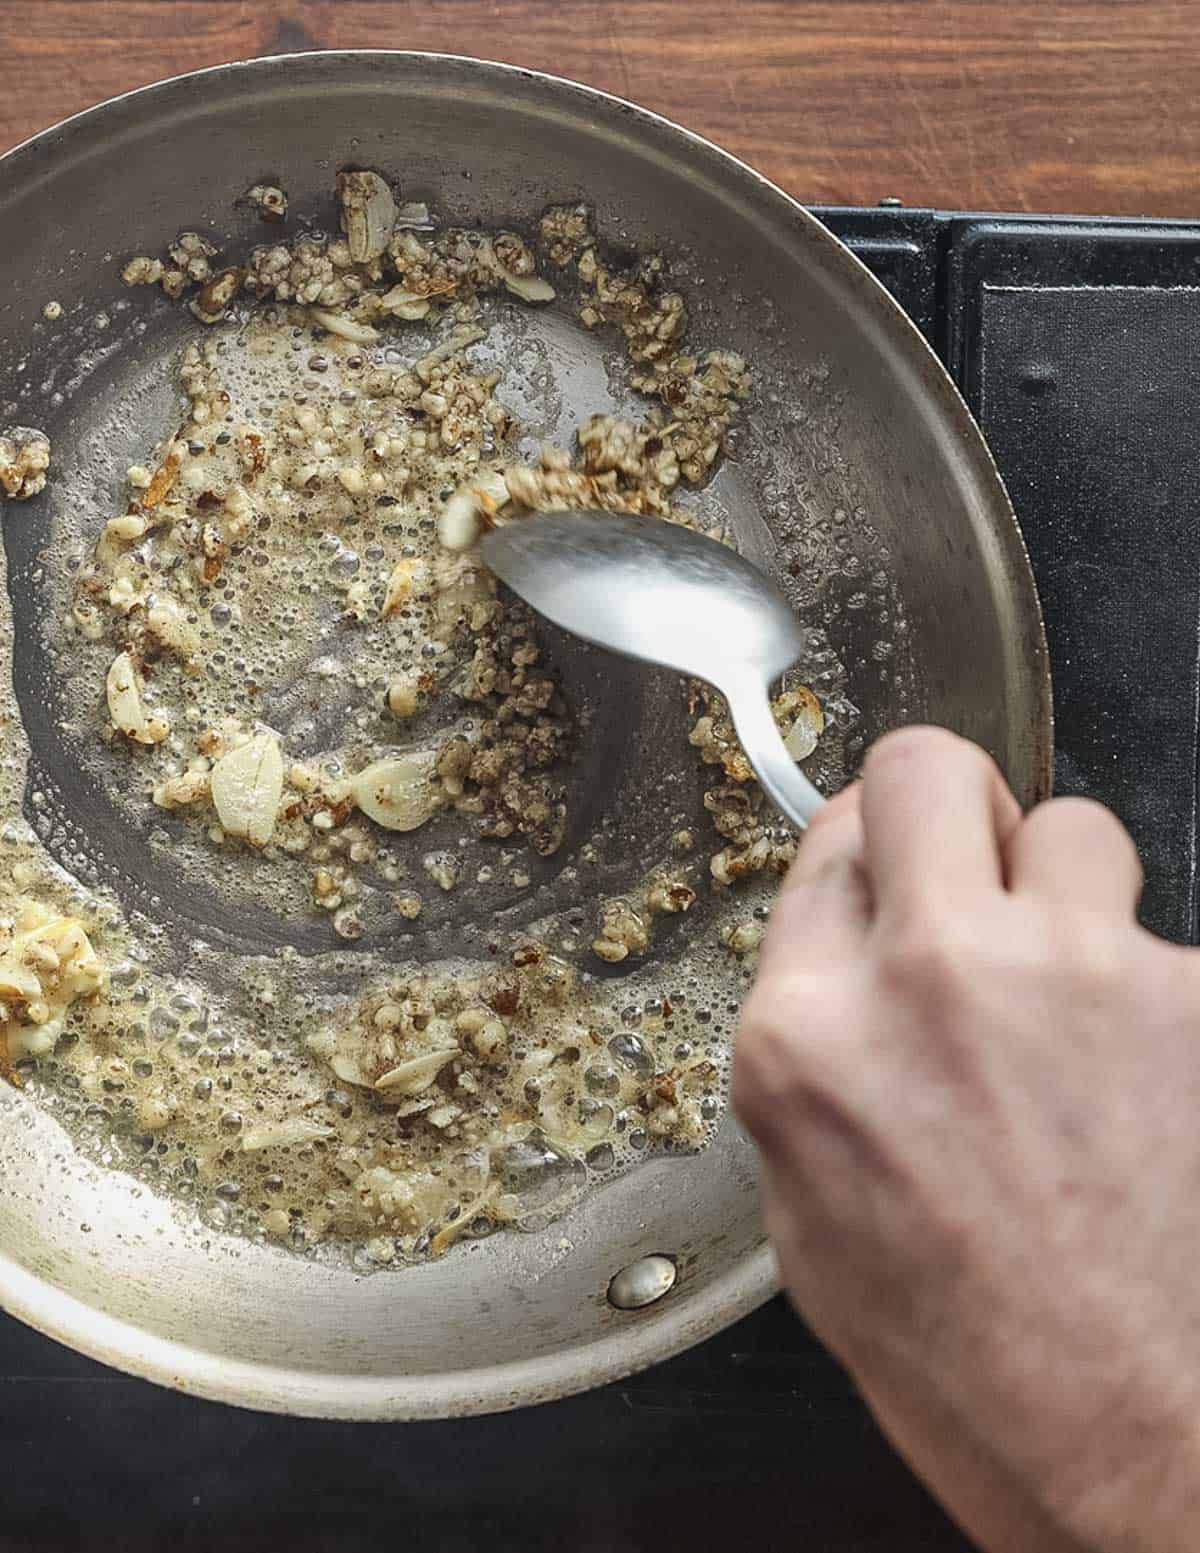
[642,1282]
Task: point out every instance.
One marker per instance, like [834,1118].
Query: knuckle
[1093,954]
[786,1040]
[920,742]
[764,1055]
[1086,819]
[948,1242]
[928,960]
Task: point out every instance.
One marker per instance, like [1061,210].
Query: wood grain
[1067,105]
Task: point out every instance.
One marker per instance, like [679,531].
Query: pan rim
[649,1337]
[636,1340]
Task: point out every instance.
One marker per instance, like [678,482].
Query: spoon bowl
[665,594]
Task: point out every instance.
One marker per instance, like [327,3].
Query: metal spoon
[668,595]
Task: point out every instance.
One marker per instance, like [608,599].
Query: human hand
[975,1083]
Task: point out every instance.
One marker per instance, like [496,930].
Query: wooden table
[1066,105]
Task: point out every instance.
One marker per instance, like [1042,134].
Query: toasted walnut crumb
[214,297]
[176,792]
[24,460]
[566,229]
[442,868]
[46,964]
[714,737]
[269,200]
[142,271]
[191,253]
[670,896]
[622,932]
[347,923]
[735,807]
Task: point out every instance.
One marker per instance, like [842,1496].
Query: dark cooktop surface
[1075,343]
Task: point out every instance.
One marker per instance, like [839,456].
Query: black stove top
[1074,342]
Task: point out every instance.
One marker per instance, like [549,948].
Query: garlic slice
[246,788]
[471,508]
[368,214]
[345,328]
[398,792]
[292,1129]
[403,303]
[348,1070]
[123,689]
[801,708]
[410,576]
[530,288]
[415,1076]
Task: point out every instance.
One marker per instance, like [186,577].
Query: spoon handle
[780,777]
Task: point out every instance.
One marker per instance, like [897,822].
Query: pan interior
[634,782]
[855,479]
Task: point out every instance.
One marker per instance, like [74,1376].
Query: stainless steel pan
[858,459]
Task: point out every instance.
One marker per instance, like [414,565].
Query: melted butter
[196,1049]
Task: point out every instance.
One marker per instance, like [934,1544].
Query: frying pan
[859,478]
